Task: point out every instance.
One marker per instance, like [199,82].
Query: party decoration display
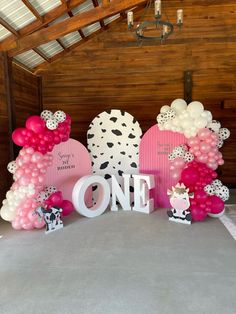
[179,200]
[70,162]
[113,143]
[30,168]
[182,118]
[44,132]
[217,188]
[51,217]
[142,203]
[194,163]
[155,147]
[204,147]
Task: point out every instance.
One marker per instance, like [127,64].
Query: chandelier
[156,29]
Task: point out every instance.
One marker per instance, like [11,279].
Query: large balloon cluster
[29,169]
[194,162]
[42,133]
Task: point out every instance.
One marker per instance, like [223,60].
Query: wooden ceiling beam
[47,18]
[32,9]
[65,27]
[9,27]
[96,4]
[70,13]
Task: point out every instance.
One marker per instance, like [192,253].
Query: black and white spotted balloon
[11,167]
[223,193]
[50,190]
[46,115]
[52,124]
[210,189]
[224,133]
[60,116]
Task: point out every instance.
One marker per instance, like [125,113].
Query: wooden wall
[23,96]
[113,71]
[4,134]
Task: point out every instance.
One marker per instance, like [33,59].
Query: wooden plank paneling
[113,71]
[26,94]
[4,133]
[22,97]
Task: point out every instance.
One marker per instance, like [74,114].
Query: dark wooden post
[188,83]
[10,103]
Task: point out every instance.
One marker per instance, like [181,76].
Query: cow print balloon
[60,116]
[46,115]
[50,189]
[11,167]
[51,124]
[224,133]
[113,142]
[209,189]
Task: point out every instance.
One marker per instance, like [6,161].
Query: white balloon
[164,109]
[195,108]
[179,105]
[214,126]
[186,124]
[7,214]
[200,122]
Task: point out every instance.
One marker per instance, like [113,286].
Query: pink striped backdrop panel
[153,159]
[71,161]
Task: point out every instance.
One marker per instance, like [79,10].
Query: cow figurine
[51,216]
[179,200]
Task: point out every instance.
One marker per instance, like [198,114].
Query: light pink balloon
[204,133]
[203,158]
[205,148]
[221,162]
[179,163]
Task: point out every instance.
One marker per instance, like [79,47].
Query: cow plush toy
[179,200]
[51,216]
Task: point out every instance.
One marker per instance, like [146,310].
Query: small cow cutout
[51,216]
[179,200]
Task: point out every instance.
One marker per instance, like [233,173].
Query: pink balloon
[36,124]
[67,207]
[205,148]
[203,158]
[217,205]
[189,176]
[55,199]
[178,162]
[204,133]
[18,136]
[198,214]
[200,196]
[16,224]
[175,174]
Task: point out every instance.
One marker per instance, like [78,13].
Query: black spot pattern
[131,188]
[133,165]
[120,172]
[123,124]
[119,162]
[134,120]
[131,135]
[116,132]
[135,145]
[104,165]
[107,176]
[90,136]
[94,156]
[110,144]
[94,188]
[104,130]
[123,153]
[113,119]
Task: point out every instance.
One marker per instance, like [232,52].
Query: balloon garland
[195,162]
[40,135]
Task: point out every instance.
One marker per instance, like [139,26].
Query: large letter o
[79,191]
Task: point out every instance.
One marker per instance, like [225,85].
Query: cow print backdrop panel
[113,142]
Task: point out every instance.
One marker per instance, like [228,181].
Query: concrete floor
[119,263]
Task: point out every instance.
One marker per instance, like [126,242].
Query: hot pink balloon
[18,136]
[189,176]
[67,207]
[36,124]
[217,205]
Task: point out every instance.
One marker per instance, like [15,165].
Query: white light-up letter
[117,193]
[78,196]
[142,185]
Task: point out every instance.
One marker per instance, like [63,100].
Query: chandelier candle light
[165,27]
